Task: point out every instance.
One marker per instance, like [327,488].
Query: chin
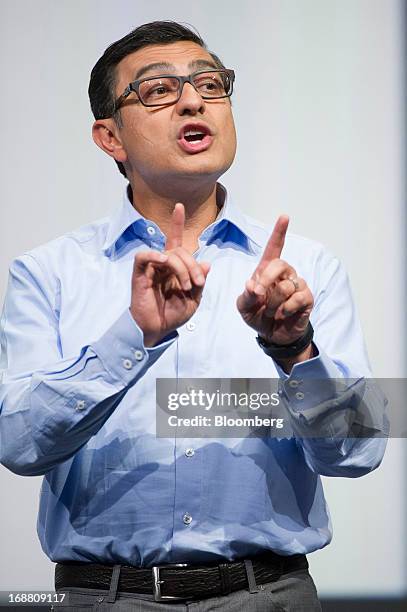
[209,172]
[201,165]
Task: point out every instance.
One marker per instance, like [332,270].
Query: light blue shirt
[77,401]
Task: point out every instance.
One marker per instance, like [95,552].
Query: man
[178,284]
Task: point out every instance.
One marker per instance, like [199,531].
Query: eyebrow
[170,68]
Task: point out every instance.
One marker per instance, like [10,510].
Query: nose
[190,102]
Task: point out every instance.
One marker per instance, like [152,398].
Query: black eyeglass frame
[134,86]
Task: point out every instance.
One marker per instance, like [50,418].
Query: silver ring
[294,282]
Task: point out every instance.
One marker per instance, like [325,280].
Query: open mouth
[194,138]
[194,135]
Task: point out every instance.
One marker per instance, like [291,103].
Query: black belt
[180,581]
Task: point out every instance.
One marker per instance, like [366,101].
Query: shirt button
[151,230]
[190,452]
[138,355]
[299,395]
[187,518]
[190,326]
[293,384]
[80,404]
[127,364]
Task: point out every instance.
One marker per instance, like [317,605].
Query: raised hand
[166,287]
[276,302]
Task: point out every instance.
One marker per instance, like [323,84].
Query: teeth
[194,133]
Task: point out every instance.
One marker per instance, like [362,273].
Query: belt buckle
[157,582]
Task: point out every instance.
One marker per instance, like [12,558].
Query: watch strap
[284,351]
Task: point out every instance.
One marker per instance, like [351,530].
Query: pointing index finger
[177,227]
[275,243]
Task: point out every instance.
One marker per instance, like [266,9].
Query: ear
[106,135]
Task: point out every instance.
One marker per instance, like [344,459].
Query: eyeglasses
[167,88]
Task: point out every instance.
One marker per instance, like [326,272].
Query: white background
[319,112]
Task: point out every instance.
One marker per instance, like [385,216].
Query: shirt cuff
[122,352]
[310,383]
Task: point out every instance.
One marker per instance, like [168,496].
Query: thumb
[205,267]
[250,297]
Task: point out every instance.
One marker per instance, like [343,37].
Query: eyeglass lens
[163,90]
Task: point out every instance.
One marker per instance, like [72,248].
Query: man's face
[153,137]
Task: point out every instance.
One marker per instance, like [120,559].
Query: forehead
[180,54]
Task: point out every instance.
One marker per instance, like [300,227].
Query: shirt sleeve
[337,411]
[50,406]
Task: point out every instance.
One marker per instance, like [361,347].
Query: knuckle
[284,265]
[270,273]
[305,299]
[302,301]
[277,265]
[174,260]
[286,289]
[286,269]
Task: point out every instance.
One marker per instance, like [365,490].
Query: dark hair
[103,76]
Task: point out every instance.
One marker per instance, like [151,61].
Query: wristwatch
[284,351]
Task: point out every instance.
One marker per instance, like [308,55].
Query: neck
[201,209]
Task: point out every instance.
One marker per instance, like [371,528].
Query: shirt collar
[127,216]
[120,221]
